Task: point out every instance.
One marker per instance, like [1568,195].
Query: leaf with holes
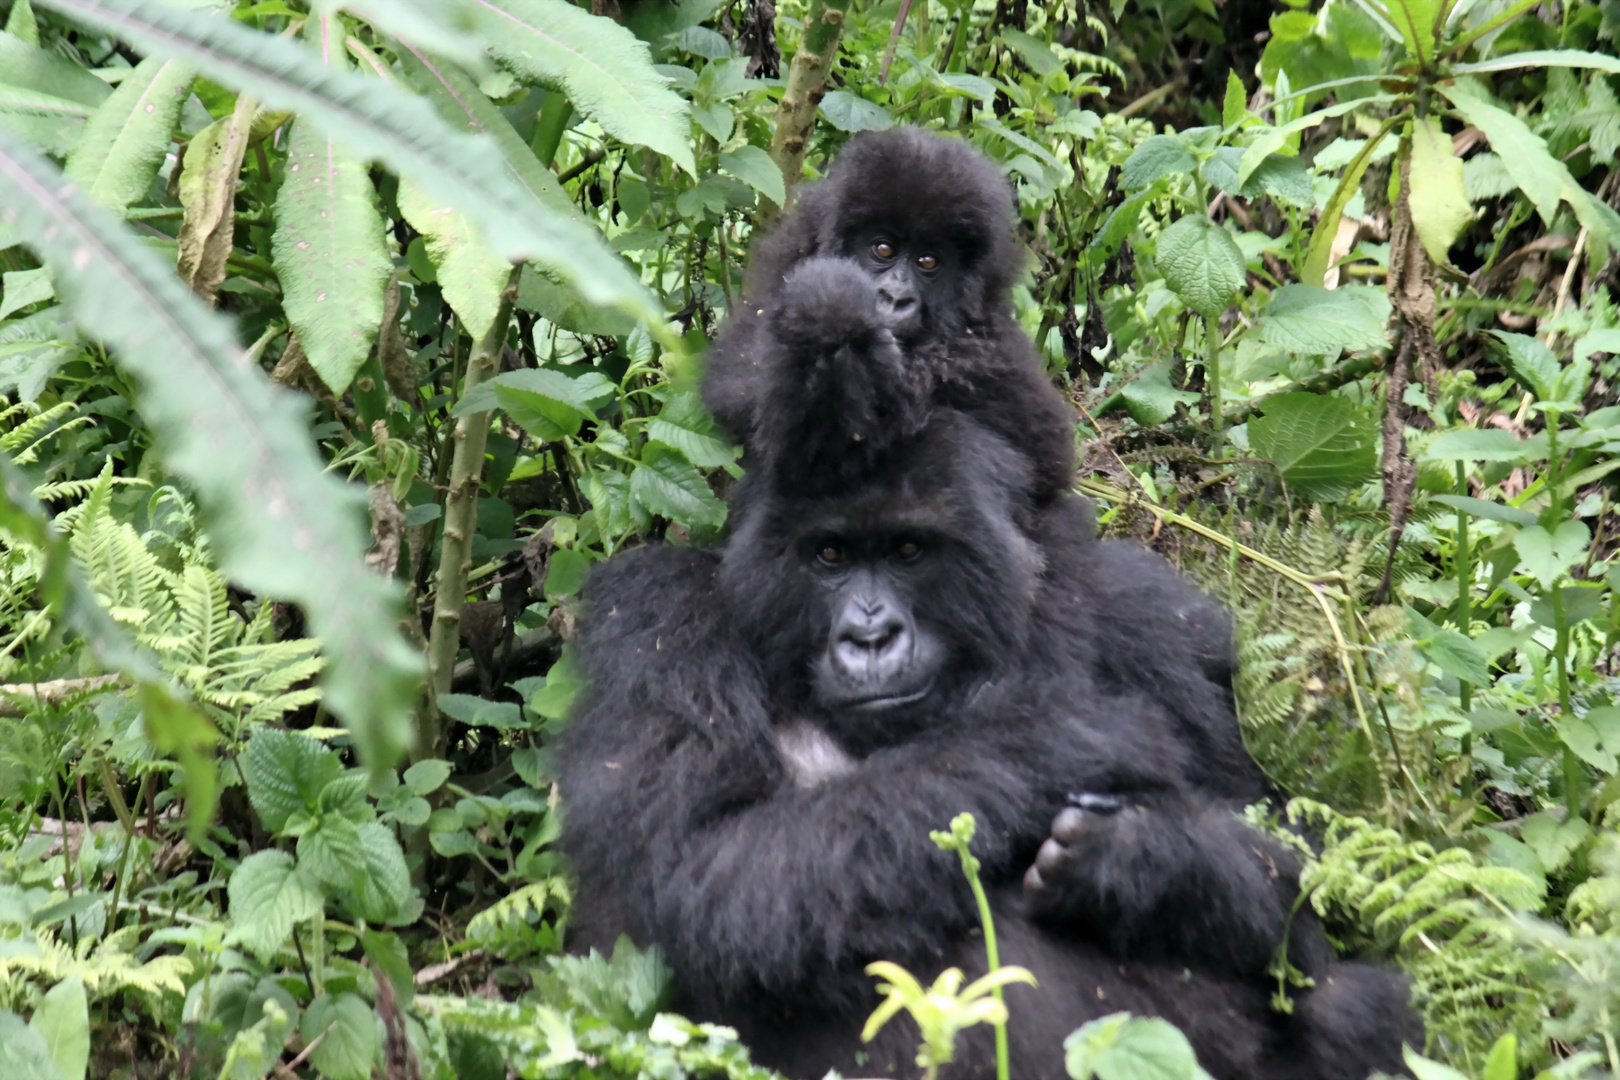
[1324,446]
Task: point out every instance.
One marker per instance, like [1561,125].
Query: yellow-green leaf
[124,143]
[1439,198]
[470,275]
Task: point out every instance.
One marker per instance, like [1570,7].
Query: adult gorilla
[773,729]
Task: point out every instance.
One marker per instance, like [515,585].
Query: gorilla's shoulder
[650,592]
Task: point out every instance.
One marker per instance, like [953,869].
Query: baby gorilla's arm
[1185,882]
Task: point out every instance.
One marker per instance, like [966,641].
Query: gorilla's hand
[1052,880]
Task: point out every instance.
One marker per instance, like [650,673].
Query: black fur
[969,353]
[688,829]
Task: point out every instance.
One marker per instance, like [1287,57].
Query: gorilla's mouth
[884,702]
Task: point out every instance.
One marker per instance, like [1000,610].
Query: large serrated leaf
[385,892]
[285,772]
[683,425]
[267,897]
[1156,157]
[1439,196]
[605,70]
[350,1029]
[470,275]
[331,853]
[1201,262]
[125,140]
[282,526]
[378,121]
[330,254]
[1323,446]
[666,484]
[1306,319]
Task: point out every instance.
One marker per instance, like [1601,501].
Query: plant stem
[992,957]
[1463,615]
[460,517]
[1212,376]
[806,83]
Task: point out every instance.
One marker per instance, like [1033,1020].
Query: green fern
[514,925]
[107,966]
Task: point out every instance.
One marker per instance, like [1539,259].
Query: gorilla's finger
[1068,825]
[1051,858]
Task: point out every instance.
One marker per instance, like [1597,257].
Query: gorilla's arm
[1180,880]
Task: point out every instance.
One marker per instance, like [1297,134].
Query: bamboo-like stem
[460,514]
[806,84]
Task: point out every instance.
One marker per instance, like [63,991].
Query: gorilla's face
[878,654]
[918,276]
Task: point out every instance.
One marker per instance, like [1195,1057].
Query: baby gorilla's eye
[927,263]
[908,550]
[883,250]
[830,554]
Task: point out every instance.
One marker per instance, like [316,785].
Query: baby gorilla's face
[916,275]
[878,656]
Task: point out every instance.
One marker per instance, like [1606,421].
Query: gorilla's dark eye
[908,550]
[927,263]
[830,554]
[883,250]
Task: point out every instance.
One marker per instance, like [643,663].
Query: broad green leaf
[480,712]
[1601,340]
[350,1027]
[24,288]
[1548,555]
[667,485]
[21,23]
[1417,21]
[848,112]
[1450,650]
[331,854]
[1154,158]
[1439,198]
[755,168]
[1482,508]
[683,425]
[63,1019]
[330,254]
[1201,262]
[1324,446]
[267,897]
[24,1054]
[1123,1047]
[1503,1063]
[565,573]
[1120,224]
[1149,398]
[1035,52]
[51,123]
[376,120]
[457,97]
[124,142]
[1542,58]
[385,893]
[544,400]
[29,67]
[1532,363]
[285,772]
[566,308]
[1422,1067]
[448,25]
[609,493]
[603,68]
[282,526]
[1287,179]
[1304,319]
[1272,139]
[563,684]
[427,776]
[470,274]
[1485,444]
[1552,840]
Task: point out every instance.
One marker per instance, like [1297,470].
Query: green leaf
[1542,58]
[565,573]
[1235,107]
[609,493]
[1286,179]
[331,854]
[1417,21]
[1546,556]
[480,712]
[1271,139]
[427,776]
[1424,1069]
[63,1019]
[124,142]
[1552,840]
[330,255]
[544,400]
[1123,1047]
[604,69]
[471,276]
[1503,1062]
[385,893]
[31,68]
[1201,262]
[755,168]
[24,1054]
[849,112]
[563,684]
[1450,650]
[1532,363]
[281,525]
[50,123]
[1154,158]
[684,425]
[448,24]
[267,897]
[562,305]
[1314,271]
[667,485]
[1305,319]
[1324,446]
[24,288]
[377,120]
[1149,398]
[1439,198]
[285,773]
[1485,444]
[1482,508]
[350,1027]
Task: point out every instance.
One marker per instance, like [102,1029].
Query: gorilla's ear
[838,392]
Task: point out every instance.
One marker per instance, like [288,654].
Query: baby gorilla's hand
[1048,884]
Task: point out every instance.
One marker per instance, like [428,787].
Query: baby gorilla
[930,223]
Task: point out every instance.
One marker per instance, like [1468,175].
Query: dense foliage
[1331,285]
